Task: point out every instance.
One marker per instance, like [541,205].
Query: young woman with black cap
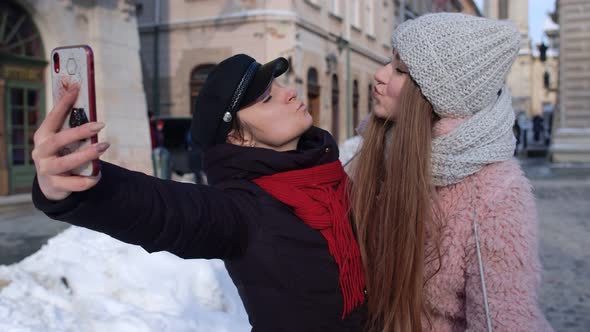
[276,210]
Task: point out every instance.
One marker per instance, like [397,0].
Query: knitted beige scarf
[483,139]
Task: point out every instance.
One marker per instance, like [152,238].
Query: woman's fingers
[55,118]
[67,163]
[51,145]
[52,170]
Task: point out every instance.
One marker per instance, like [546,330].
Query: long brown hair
[391,202]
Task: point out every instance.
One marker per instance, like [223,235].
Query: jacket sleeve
[188,220]
[509,248]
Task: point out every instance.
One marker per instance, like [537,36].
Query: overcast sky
[538,10]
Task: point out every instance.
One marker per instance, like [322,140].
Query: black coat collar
[225,162]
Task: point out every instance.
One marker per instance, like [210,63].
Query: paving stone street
[563,197]
[23,230]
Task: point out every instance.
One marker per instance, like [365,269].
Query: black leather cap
[233,84]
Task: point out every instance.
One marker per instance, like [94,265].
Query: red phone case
[85,77]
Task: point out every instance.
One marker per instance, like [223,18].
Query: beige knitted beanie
[459,61]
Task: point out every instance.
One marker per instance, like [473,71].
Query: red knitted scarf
[319,197]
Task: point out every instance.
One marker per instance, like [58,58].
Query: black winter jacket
[281,267]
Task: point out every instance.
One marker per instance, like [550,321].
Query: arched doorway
[335,107]
[198,78]
[313,95]
[22,91]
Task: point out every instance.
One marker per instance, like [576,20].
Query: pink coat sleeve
[509,248]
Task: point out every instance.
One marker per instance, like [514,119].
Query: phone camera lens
[78,117]
[56,62]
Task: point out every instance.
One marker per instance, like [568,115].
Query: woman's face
[389,81]
[276,121]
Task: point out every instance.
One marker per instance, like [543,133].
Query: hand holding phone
[54,169]
[60,152]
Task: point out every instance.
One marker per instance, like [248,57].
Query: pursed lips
[376,92]
[301,106]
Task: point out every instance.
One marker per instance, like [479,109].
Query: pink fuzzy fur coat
[499,197]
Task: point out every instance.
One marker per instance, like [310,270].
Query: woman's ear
[236,138]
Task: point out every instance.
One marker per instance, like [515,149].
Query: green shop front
[22,96]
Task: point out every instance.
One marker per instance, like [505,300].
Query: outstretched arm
[187,220]
[191,221]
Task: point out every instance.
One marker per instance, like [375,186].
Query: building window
[355,103]
[546,80]
[503,9]
[355,17]
[18,34]
[313,95]
[335,107]
[198,78]
[370,17]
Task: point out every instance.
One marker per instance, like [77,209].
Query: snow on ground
[86,281]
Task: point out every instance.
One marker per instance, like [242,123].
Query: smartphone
[75,65]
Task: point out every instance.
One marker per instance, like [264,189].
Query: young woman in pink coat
[445,217]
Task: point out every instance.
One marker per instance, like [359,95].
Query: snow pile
[86,281]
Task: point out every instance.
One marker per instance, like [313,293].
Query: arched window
[355,104]
[198,78]
[335,107]
[18,34]
[313,95]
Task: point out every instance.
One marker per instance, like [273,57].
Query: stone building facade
[521,75]
[571,142]
[334,47]
[545,75]
[31,29]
